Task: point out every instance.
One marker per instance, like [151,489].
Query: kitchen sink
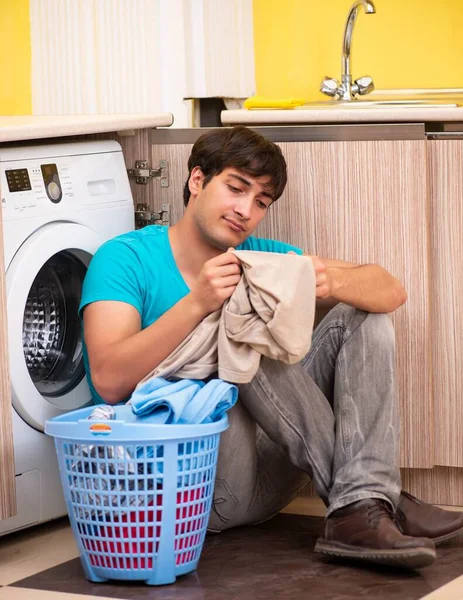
[381,103]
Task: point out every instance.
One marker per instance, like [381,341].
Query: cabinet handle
[444,135]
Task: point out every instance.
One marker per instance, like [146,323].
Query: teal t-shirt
[139,268]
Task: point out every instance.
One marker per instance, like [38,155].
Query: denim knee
[381,328]
[378,326]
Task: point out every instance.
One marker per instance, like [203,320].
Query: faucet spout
[369,8]
[346,91]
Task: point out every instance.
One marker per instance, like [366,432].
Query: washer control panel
[18,180]
[37,184]
[59,179]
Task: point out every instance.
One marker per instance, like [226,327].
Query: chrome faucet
[346,90]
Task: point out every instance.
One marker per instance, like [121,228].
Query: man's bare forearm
[124,363]
[368,287]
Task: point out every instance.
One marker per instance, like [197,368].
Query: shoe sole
[448,536]
[413,558]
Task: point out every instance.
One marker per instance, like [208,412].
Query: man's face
[230,207]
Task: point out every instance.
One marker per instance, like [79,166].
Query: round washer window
[52,339]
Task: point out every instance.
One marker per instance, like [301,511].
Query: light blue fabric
[184,401]
[138,268]
[210,403]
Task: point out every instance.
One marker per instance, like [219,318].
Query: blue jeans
[332,418]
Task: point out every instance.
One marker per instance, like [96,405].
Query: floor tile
[306,505]
[451,591]
[12,593]
[30,551]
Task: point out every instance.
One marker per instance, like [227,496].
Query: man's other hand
[322,278]
[216,282]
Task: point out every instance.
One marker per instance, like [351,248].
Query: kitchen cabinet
[443,484]
[363,202]
[397,203]
[445,179]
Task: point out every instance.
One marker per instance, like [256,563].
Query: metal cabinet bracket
[145,216]
[142,172]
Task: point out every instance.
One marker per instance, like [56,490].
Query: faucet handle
[363,86]
[330,86]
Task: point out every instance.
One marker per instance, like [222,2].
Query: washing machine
[59,204]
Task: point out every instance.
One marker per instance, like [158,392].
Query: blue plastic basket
[138,494]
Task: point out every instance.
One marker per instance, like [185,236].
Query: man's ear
[195,183]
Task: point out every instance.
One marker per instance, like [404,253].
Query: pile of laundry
[120,475]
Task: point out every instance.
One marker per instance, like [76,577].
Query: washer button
[54,190]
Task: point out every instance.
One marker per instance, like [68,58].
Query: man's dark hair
[241,148]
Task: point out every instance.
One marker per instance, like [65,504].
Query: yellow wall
[15,58]
[407,43]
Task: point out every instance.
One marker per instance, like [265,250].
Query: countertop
[343,115]
[30,127]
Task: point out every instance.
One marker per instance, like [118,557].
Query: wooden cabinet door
[140,147]
[7,478]
[445,167]
[398,204]
[366,202]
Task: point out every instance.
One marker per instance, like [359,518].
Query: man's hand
[368,287]
[216,282]
[323,280]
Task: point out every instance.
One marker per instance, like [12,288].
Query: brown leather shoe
[366,530]
[419,519]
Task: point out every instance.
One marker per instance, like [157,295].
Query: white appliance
[60,203]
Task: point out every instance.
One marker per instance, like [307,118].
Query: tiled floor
[33,550]
[273,560]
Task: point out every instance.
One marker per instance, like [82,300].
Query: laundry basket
[138,493]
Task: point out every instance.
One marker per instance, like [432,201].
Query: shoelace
[380,509]
[216,501]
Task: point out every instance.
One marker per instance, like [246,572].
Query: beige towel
[270,313]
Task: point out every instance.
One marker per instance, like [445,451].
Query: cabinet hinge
[142,172]
[145,216]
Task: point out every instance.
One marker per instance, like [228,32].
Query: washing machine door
[44,283]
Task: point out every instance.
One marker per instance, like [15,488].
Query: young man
[332,418]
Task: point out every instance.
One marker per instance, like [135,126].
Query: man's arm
[121,354]
[368,287]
